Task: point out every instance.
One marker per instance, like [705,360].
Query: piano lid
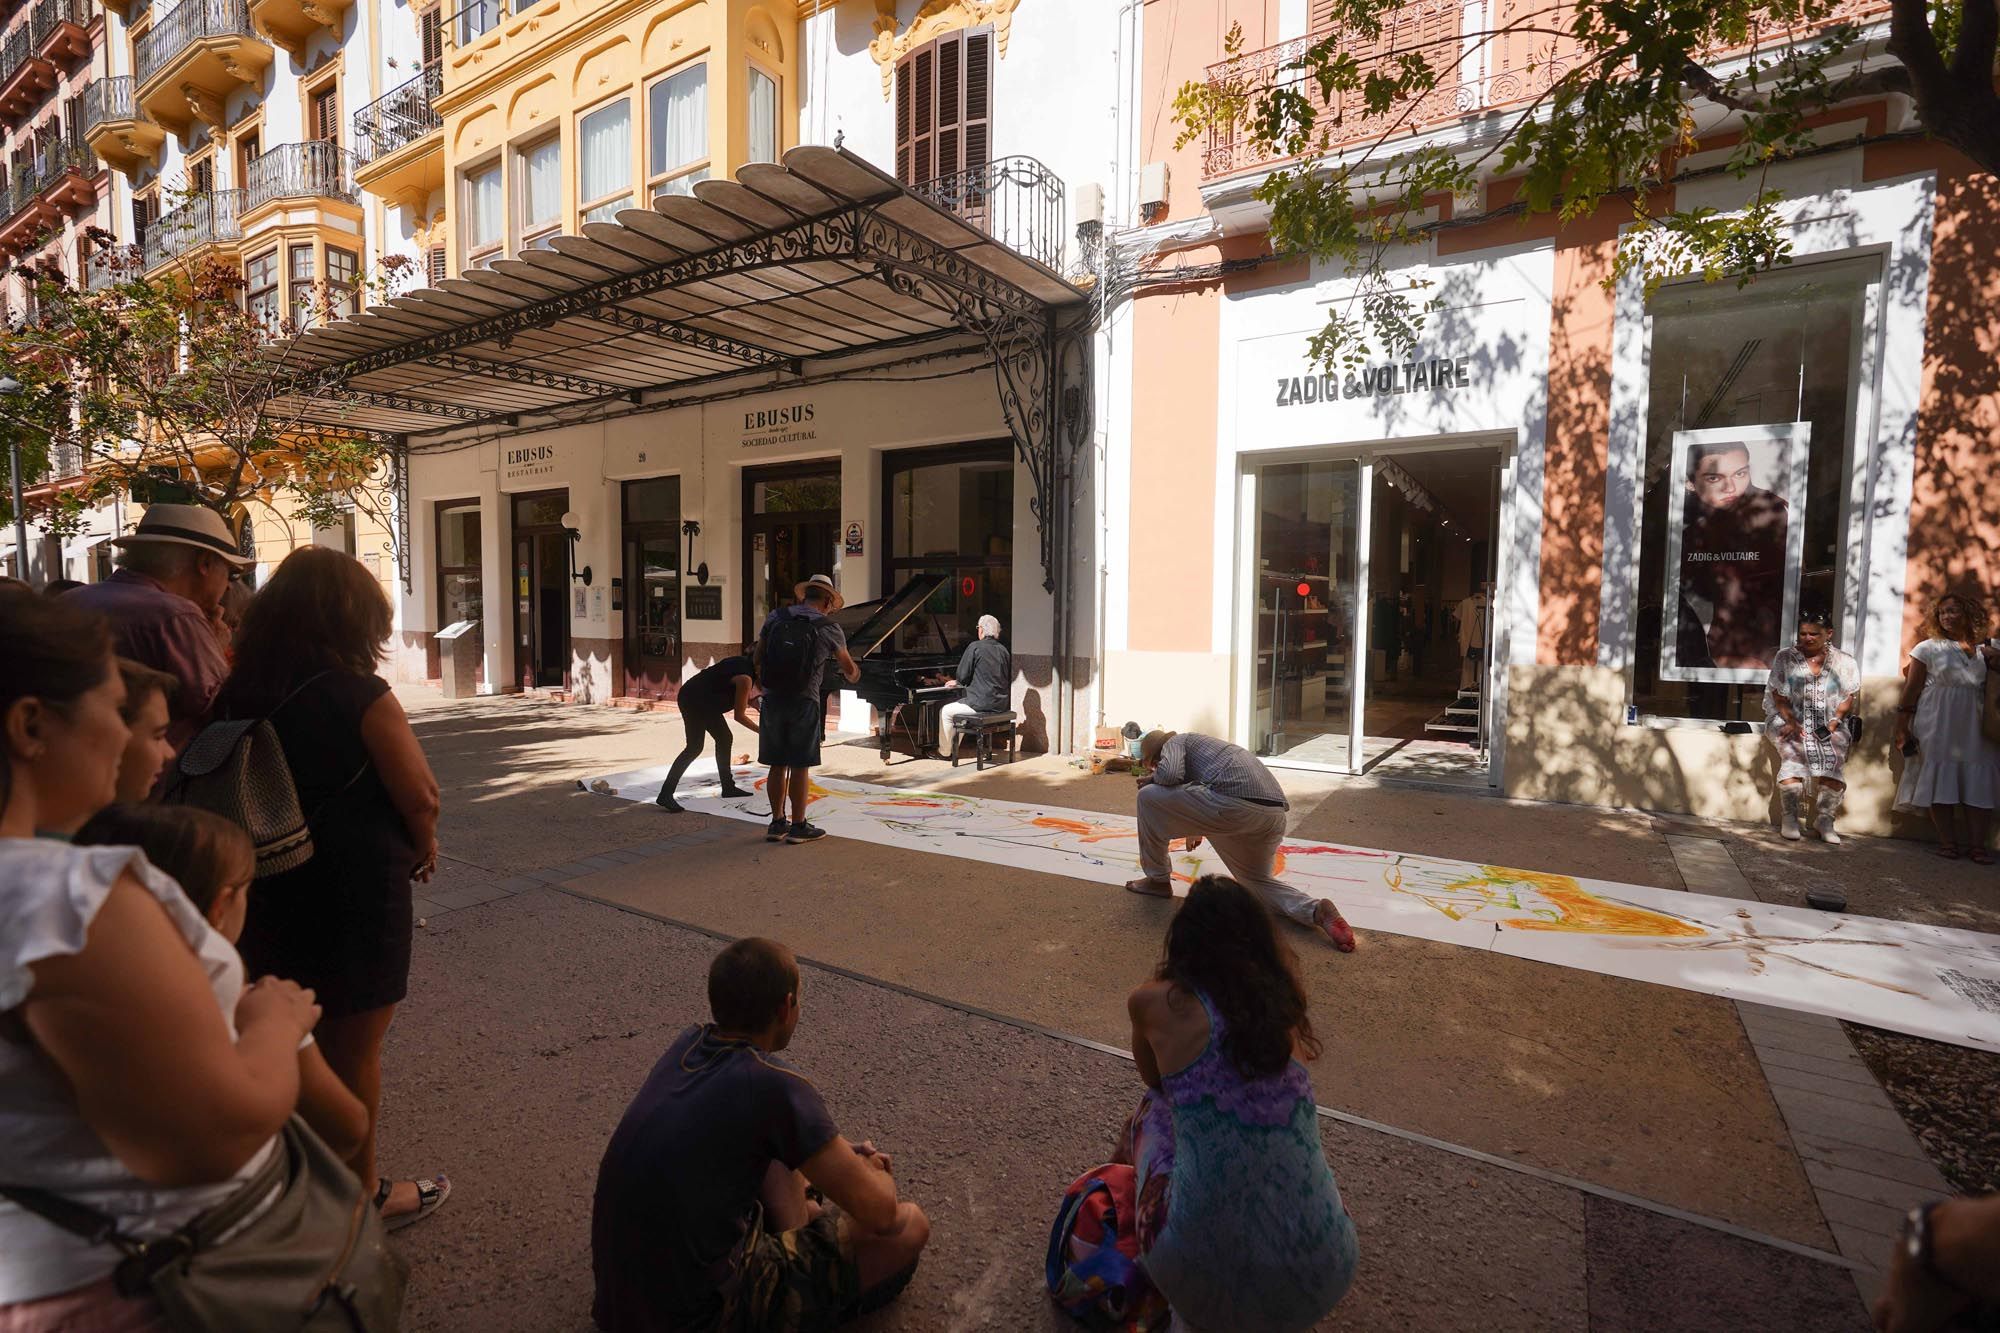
[869,625]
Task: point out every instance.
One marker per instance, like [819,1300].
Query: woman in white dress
[1808,703]
[1949,768]
[138,1075]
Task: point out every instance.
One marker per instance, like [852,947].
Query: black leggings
[700,726]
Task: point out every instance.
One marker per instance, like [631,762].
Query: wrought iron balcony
[116,129]
[62,28]
[208,219]
[399,117]
[115,264]
[1015,200]
[311,170]
[195,55]
[26,75]
[1509,69]
[58,176]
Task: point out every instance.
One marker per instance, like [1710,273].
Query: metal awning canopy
[789,271]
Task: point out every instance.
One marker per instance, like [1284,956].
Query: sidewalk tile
[627,856]
[1812,1125]
[1864,1247]
[1912,1170]
[1802,1043]
[1845,1089]
[521,884]
[1873,1116]
[423,907]
[602,861]
[1875,1219]
[552,875]
[1809,1026]
[1831,1179]
[1849,1069]
[452,900]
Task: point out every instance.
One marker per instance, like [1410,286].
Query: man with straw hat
[1200,787]
[793,649]
[164,603]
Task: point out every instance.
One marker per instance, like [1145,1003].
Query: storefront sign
[704,603]
[767,422]
[526,462]
[1433,375]
[853,544]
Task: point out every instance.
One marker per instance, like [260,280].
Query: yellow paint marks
[1579,911]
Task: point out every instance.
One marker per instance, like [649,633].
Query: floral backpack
[1093,1263]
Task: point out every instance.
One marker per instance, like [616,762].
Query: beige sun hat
[819,581]
[186,525]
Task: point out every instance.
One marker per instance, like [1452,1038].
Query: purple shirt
[167,632]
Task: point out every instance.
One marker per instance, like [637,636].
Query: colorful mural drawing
[1926,980]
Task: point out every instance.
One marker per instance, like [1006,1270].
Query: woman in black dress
[305,659]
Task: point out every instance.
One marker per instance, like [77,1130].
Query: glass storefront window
[540,511]
[459,589]
[1755,520]
[951,511]
[1308,557]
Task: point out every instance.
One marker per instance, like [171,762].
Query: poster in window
[1735,541]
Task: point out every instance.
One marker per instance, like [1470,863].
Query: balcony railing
[1015,200]
[1508,70]
[188,22]
[107,100]
[18,51]
[203,220]
[312,170]
[399,117]
[103,268]
[50,15]
[44,169]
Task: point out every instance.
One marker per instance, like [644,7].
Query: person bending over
[793,649]
[986,670]
[1239,1220]
[701,1222]
[1200,787]
[706,701]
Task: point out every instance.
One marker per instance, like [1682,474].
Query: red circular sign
[1305,590]
[966,586]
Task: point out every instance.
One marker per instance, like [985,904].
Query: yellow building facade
[563,112]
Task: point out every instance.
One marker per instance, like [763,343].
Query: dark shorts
[795,1281]
[789,732]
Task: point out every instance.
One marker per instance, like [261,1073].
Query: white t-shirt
[50,892]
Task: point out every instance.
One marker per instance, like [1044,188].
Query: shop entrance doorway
[791,531]
[652,528]
[541,590]
[1372,613]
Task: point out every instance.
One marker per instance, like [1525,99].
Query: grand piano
[903,686]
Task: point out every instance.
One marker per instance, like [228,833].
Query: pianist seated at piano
[986,674]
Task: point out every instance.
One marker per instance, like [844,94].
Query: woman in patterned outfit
[1808,702]
[1240,1223]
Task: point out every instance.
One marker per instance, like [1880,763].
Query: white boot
[1829,806]
[1788,799]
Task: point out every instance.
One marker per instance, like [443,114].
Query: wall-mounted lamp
[571,530]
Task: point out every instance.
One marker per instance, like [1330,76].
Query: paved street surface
[566,941]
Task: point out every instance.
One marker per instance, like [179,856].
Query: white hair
[989,627]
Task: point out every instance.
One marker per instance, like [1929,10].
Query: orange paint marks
[1585,913]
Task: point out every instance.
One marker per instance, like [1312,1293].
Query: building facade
[1489,560]
[696,516]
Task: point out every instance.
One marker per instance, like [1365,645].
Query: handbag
[317,1260]
[1092,1268]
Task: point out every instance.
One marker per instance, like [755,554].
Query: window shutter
[434,261]
[903,95]
[326,113]
[1321,15]
[432,28]
[978,100]
[923,118]
[204,176]
[950,103]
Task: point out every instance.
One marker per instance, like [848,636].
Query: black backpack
[785,655]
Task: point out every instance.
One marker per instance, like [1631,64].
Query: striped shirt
[1193,760]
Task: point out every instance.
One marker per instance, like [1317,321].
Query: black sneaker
[669,804]
[804,832]
[776,833]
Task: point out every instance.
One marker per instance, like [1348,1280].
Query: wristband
[1920,1248]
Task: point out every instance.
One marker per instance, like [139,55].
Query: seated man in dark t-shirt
[706,700]
[701,1221]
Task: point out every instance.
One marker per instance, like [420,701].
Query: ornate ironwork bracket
[399,522]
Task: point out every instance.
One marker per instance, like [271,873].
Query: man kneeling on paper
[1200,787]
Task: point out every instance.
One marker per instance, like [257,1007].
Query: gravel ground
[1950,1097]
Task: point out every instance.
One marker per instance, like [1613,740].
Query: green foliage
[168,383]
[1611,95]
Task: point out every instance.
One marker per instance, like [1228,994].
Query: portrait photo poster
[1735,542]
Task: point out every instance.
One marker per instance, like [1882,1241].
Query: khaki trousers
[1245,835]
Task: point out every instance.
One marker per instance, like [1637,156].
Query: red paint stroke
[1290,850]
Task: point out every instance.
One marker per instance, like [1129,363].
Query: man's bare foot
[1328,918]
[1152,888]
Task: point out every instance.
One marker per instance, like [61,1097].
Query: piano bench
[984,729]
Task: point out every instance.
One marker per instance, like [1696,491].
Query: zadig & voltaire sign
[1435,375]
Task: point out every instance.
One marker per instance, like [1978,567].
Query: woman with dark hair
[1240,1223]
[138,1074]
[305,659]
[1949,766]
[1809,704]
